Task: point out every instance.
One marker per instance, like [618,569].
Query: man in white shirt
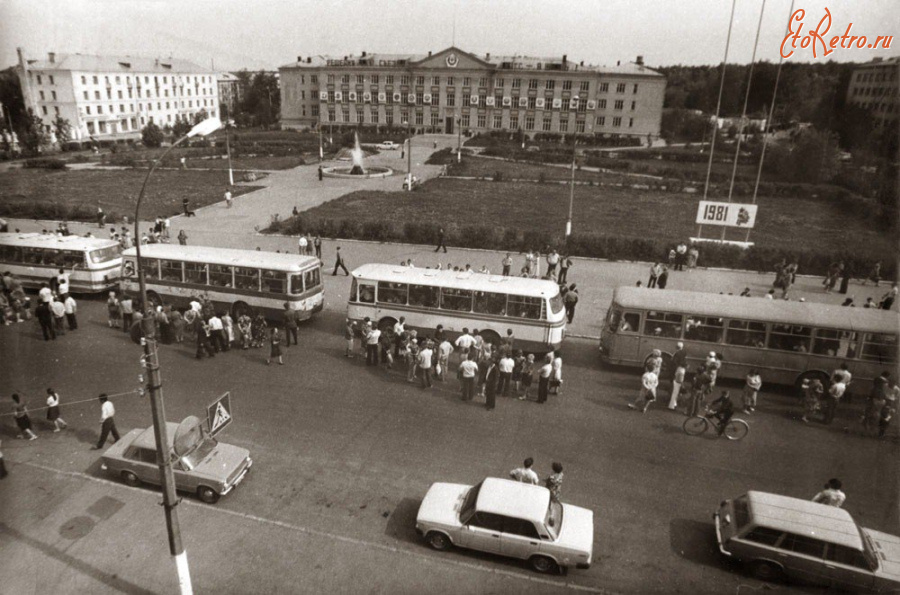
[424,363]
[444,351]
[552,261]
[372,338]
[59,316]
[107,422]
[465,341]
[835,393]
[506,366]
[62,281]
[71,308]
[468,371]
[45,294]
[217,334]
[525,474]
[303,243]
[845,372]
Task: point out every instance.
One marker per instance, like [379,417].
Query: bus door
[621,337]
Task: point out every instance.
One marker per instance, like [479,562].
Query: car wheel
[543,564]
[386,324]
[438,541]
[491,337]
[767,571]
[154,299]
[208,495]
[131,479]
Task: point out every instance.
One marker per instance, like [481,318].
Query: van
[780,537]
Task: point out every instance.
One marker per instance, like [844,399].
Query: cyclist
[722,409]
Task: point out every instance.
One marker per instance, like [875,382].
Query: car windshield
[198,453]
[554,519]
[105,254]
[469,503]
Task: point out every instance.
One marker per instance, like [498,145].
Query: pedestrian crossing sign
[219,414]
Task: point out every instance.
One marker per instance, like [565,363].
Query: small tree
[181,127]
[32,136]
[199,117]
[63,129]
[151,135]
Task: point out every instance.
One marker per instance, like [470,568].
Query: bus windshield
[105,254]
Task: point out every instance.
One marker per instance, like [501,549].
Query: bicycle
[735,429]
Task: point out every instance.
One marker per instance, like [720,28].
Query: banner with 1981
[729,214]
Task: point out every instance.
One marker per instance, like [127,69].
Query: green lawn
[484,167]
[31,192]
[809,224]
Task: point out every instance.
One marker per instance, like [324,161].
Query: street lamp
[228,145]
[408,155]
[151,359]
[459,140]
[572,185]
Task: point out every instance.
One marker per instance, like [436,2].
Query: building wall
[638,114]
[875,87]
[230,95]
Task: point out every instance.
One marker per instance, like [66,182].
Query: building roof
[89,63]
[513,498]
[761,309]
[876,62]
[226,77]
[225,256]
[804,517]
[471,280]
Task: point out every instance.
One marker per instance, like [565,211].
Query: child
[751,389]
[275,343]
[53,411]
[527,375]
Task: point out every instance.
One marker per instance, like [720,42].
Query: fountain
[357,169]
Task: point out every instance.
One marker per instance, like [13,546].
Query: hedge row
[48,210]
[44,163]
[489,237]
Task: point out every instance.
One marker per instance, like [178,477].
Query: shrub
[47,210]
[45,163]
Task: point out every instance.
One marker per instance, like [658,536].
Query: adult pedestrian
[680,256]
[888,299]
[811,395]
[889,410]
[875,401]
[53,411]
[464,342]
[185,205]
[217,333]
[228,198]
[506,367]
[507,264]
[570,301]
[444,350]
[204,345]
[45,318]
[425,363]
[701,388]
[491,380]
[245,326]
[321,172]
[525,473]
[655,270]
[440,241]
[275,347]
[62,283]
[176,321]
[565,263]
[23,422]
[751,390]
[467,372]
[556,380]
[713,364]
[875,275]
[71,310]
[339,263]
[693,256]
[835,393]
[647,394]
[317,244]
[101,217]
[554,481]
[182,238]
[412,357]
[527,376]
[552,262]
[107,422]
[291,325]
[350,331]
[372,338]
[112,310]
[544,375]
[831,494]
[663,278]
[679,366]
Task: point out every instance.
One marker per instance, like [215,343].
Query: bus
[786,341]
[93,264]
[532,308]
[243,281]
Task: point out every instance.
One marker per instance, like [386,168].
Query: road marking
[335,537]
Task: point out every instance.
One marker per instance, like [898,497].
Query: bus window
[220,275]
[708,329]
[195,272]
[661,324]
[392,293]
[273,281]
[787,337]
[835,343]
[353,290]
[487,302]
[631,322]
[312,278]
[170,270]
[367,293]
[297,286]
[424,295]
[105,254]
[151,268]
[524,307]
[746,333]
[880,347]
[246,278]
[73,259]
[459,300]
[32,256]
[55,257]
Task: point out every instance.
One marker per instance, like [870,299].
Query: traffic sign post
[219,414]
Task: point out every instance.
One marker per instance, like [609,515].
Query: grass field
[809,224]
[24,191]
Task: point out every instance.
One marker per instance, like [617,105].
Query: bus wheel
[491,337]
[153,299]
[386,324]
[812,375]
[239,309]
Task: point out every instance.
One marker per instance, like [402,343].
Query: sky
[254,34]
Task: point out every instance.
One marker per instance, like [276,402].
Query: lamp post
[151,359]
[228,146]
[408,156]
[571,185]
[458,139]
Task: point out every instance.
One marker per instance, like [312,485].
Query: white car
[388,145]
[509,518]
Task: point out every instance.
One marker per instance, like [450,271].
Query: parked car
[509,518]
[208,468]
[388,145]
[781,537]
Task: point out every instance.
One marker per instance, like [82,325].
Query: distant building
[111,98]
[875,86]
[751,123]
[450,89]
[231,92]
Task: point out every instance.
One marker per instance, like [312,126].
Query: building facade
[453,89]
[113,98]
[231,92]
[875,86]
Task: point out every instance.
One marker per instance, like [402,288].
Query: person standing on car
[525,473]
[831,494]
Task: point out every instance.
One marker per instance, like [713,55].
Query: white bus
[93,264]
[243,281]
[786,341]
[532,308]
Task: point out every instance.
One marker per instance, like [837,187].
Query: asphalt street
[343,455]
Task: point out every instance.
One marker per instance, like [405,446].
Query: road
[343,455]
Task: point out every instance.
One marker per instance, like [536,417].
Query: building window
[436,99]
[83,80]
[39,79]
[389,117]
[567,85]
[435,119]
[582,105]
[498,101]
[563,124]
[51,80]
[465,120]
[435,80]
[467,82]
[604,87]
[631,122]
[86,96]
[404,80]
[532,102]
[579,126]
[483,82]
[482,100]
[602,104]
[498,121]
[532,83]
[620,88]
[617,122]
[360,79]
[585,86]
[56,109]
[633,104]
[517,83]
[601,121]
[547,124]
[122,108]
[42,95]
[499,82]
[374,115]
[420,80]
[360,116]
[619,104]
[99,109]
[513,122]
[389,79]
[529,122]
[550,84]
[404,117]
[482,121]
[420,99]
[451,80]
[345,79]
[420,118]
[315,110]
[96,82]
[635,88]
[466,100]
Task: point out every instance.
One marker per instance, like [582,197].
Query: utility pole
[571,186]
[409,154]
[228,147]
[459,140]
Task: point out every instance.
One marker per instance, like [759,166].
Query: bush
[47,210]
[45,163]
